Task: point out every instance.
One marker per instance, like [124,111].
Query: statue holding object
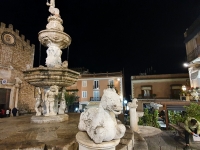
[52,9]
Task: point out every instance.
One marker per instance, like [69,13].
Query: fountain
[56,76]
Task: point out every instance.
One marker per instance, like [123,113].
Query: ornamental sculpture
[100,123]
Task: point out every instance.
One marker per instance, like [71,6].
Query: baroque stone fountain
[49,80]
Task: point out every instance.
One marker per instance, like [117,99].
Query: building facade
[192,44]
[164,86]
[16,55]
[90,87]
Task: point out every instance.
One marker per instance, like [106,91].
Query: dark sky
[112,35]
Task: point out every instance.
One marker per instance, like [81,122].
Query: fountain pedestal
[85,143]
[49,119]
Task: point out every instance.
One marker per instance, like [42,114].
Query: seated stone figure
[100,122]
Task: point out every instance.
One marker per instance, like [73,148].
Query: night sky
[112,35]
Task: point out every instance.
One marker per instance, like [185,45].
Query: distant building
[16,55]
[192,43]
[163,86]
[90,86]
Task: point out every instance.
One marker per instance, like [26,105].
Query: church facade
[16,55]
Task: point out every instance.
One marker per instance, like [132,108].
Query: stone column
[17,85]
[133,115]
[85,143]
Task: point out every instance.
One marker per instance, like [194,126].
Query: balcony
[96,87]
[95,98]
[194,54]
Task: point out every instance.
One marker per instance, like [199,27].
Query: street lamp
[184,88]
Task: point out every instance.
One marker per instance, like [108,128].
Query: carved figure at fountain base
[62,107]
[100,123]
[50,96]
[38,98]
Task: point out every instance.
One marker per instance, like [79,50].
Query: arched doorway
[4,98]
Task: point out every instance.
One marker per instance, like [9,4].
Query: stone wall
[16,55]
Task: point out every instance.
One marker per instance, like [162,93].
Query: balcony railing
[194,54]
[96,87]
[95,98]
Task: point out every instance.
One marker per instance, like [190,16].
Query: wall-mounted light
[184,88]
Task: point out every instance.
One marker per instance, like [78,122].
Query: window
[146,91]
[111,82]
[84,83]
[84,94]
[96,84]
[96,96]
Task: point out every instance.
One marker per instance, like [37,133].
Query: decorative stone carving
[65,64]
[52,9]
[133,115]
[49,99]
[38,99]
[100,123]
[62,107]
[55,23]
[53,57]
[54,38]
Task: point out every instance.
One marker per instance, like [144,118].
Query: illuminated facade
[192,44]
[90,86]
[163,86]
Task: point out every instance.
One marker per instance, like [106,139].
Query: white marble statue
[38,99]
[62,107]
[49,99]
[52,9]
[53,57]
[133,115]
[100,122]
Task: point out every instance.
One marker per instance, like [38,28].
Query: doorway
[4,98]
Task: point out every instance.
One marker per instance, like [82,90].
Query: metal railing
[194,54]
[95,98]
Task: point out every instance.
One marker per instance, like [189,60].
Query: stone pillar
[133,115]
[85,143]
[17,85]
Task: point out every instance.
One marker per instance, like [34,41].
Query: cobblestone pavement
[163,139]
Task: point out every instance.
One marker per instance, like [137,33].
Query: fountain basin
[45,77]
[54,37]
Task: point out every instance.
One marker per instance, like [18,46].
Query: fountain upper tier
[54,35]
[44,77]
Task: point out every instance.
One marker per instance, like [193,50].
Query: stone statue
[52,9]
[100,123]
[49,99]
[62,107]
[38,98]
[53,57]
[65,64]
